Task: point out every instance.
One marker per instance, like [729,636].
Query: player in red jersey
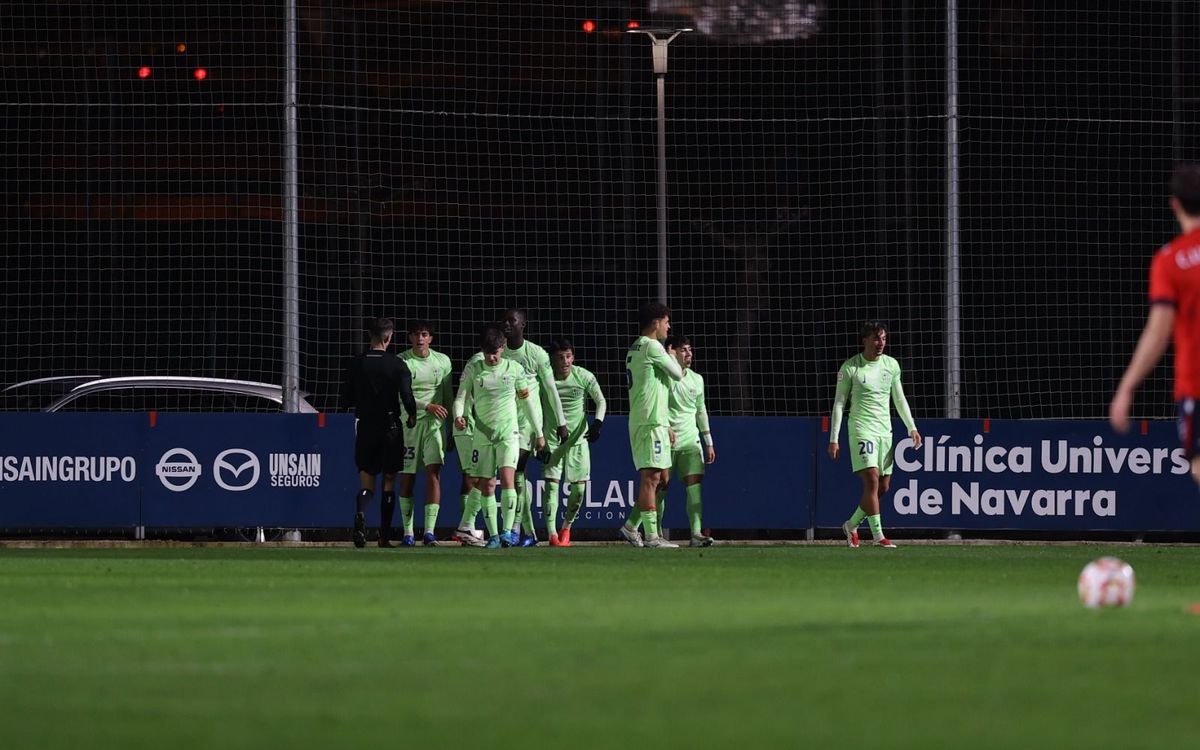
[1174,304]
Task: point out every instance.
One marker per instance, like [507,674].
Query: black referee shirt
[375,384]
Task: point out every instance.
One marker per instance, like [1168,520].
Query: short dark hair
[492,340]
[1185,187]
[416,326]
[872,327]
[650,312]
[560,344]
[380,328]
[675,342]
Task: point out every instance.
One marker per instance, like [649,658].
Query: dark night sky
[457,158]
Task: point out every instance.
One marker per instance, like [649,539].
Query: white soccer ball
[1107,582]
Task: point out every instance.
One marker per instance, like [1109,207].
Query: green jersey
[536,362]
[869,385]
[689,416]
[573,390]
[650,371]
[495,391]
[430,380]
[469,408]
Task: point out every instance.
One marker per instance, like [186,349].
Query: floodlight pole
[660,39]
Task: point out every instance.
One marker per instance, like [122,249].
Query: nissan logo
[178,476]
[239,466]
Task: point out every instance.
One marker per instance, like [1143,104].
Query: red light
[589,26]
[181,48]
[199,74]
[633,25]
[144,71]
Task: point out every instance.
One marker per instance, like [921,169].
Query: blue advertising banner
[71,470]
[297,471]
[1024,475]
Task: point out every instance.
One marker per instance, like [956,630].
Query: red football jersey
[1175,281]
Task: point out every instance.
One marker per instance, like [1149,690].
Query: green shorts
[424,445]
[688,460]
[867,451]
[489,457]
[651,447]
[575,462]
[463,443]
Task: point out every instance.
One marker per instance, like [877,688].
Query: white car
[169,393]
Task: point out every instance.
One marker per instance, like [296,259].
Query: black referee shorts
[378,447]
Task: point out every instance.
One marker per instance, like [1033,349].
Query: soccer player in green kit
[536,362]
[693,438]
[496,386]
[869,380]
[650,371]
[424,445]
[572,459]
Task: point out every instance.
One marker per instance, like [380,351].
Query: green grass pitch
[730,647]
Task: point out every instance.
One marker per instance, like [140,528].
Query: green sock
[508,509]
[431,514]
[472,502]
[650,525]
[660,504]
[519,486]
[856,519]
[634,519]
[694,508]
[574,503]
[876,526]
[463,500]
[489,513]
[406,515]
[550,501]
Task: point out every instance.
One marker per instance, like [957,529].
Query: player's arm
[659,358]
[532,407]
[545,374]
[901,404]
[597,397]
[840,396]
[1150,349]
[404,375]
[466,393]
[710,451]
[349,394]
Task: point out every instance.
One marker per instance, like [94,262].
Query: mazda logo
[176,475]
[237,465]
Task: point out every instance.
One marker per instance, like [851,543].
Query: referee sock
[508,508]
[489,513]
[362,500]
[876,526]
[694,508]
[472,503]
[387,509]
[857,518]
[431,515]
[406,515]
[574,502]
[550,500]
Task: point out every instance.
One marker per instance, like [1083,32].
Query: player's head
[1185,192]
[680,347]
[562,355]
[380,330]
[420,336]
[874,338]
[492,345]
[513,321]
[654,320]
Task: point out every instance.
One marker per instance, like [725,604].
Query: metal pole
[291,229]
[661,81]
[953,286]
[658,52]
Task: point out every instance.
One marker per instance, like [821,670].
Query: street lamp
[660,38]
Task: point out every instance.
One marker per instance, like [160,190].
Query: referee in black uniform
[375,385]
